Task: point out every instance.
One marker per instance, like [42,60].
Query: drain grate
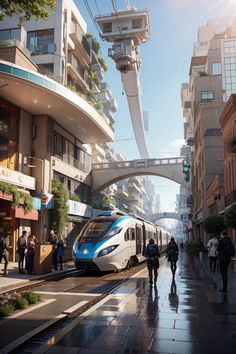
[218,308]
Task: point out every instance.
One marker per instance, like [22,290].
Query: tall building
[212,79]
[51,118]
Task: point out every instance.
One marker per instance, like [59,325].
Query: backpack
[152,250]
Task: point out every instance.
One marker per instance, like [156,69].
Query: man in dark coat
[4,254]
[152,253]
[21,247]
[172,253]
[225,252]
[53,239]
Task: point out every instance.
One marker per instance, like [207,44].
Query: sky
[165,59]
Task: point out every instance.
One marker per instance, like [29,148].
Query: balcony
[38,94]
[82,47]
[76,71]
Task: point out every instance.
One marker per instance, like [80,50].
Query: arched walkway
[105,174]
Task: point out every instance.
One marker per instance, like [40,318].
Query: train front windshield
[95,229]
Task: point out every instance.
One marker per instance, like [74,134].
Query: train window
[132,234]
[126,235]
[96,228]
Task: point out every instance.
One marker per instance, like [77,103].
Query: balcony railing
[70,160]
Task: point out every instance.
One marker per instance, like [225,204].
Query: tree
[230,217]
[26,9]
[214,224]
[59,213]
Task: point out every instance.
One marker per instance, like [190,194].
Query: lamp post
[42,184]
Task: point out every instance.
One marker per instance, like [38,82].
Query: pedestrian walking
[30,251]
[172,253]
[212,245]
[225,252]
[4,254]
[201,250]
[21,249]
[61,251]
[53,239]
[152,253]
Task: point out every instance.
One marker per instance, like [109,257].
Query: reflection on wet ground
[181,315]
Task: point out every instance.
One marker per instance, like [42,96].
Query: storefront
[13,219]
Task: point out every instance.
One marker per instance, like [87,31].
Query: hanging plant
[75,197]
[231,145]
[17,196]
[102,63]
[59,213]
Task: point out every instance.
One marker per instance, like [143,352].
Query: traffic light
[186,167]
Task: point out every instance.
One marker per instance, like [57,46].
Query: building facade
[211,82]
[50,115]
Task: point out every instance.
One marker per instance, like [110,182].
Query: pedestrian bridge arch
[105,174]
[165,215]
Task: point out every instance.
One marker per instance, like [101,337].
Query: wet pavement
[182,315]
[14,280]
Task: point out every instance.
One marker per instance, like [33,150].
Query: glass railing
[70,160]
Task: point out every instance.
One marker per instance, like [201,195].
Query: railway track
[34,341]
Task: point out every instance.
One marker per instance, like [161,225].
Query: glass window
[96,229]
[137,23]
[107,27]
[41,41]
[216,68]
[207,95]
[132,234]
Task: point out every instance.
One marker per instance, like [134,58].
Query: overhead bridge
[105,174]
[165,215]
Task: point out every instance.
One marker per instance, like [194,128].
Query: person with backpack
[53,239]
[152,254]
[21,248]
[60,251]
[225,252]
[4,254]
[212,252]
[172,253]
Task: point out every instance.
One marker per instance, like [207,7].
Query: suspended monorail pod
[127,29]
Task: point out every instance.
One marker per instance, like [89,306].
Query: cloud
[172,149]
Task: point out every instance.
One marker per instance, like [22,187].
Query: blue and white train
[115,240]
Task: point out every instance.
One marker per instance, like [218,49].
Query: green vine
[18,196]
[59,213]
[75,197]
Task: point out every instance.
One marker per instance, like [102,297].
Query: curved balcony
[40,95]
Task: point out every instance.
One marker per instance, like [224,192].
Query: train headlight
[107,250]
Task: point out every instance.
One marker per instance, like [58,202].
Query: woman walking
[172,253]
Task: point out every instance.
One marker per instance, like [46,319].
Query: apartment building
[50,114]
[211,82]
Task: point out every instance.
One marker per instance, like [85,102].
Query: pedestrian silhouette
[225,251]
[172,253]
[152,253]
[212,245]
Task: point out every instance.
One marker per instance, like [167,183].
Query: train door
[139,232]
[144,240]
[160,240]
